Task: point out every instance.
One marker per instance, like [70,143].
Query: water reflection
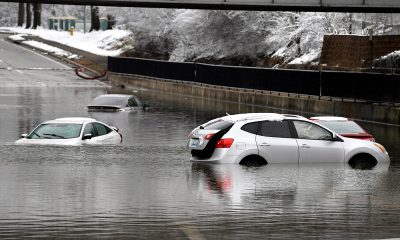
[288,184]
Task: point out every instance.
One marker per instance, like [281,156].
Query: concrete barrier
[301,103]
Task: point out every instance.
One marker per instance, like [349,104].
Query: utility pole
[371,33]
[84,19]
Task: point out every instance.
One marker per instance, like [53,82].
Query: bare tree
[37,15]
[94,12]
[28,15]
[21,14]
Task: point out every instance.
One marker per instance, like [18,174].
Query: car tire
[253,161]
[363,161]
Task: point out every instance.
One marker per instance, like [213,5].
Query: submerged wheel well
[363,161]
[253,160]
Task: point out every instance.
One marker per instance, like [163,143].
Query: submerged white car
[72,131]
[116,103]
[277,138]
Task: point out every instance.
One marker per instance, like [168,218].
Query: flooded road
[147,189]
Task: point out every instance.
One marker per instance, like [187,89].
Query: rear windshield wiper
[53,135]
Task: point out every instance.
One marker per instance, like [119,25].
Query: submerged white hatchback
[72,131]
[277,138]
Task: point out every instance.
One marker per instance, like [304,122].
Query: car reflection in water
[283,185]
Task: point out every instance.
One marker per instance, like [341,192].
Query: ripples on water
[151,192]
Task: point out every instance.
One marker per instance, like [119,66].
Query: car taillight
[224,143]
[209,136]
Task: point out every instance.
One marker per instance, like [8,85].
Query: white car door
[275,143]
[106,135]
[316,144]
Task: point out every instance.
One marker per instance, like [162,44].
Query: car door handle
[305,146]
[265,144]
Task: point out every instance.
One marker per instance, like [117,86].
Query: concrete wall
[355,51]
[307,104]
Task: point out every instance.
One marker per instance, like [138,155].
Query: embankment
[389,114]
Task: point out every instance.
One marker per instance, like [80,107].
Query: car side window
[306,130]
[101,129]
[280,129]
[132,102]
[89,129]
[250,127]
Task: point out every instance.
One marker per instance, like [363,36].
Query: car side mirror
[24,135]
[336,138]
[114,128]
[87,136]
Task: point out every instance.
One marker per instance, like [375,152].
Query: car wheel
[253,161]
[363,161]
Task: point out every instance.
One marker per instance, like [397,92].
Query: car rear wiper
[53,135]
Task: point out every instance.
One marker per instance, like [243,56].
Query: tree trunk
[28,15]
[111,21]
[21,14]
[94,12]
[37,15]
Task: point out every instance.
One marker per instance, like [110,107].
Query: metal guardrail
[370,87]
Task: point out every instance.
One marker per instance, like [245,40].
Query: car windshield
[342,126]
[56,131]
[218,125]
[109,101]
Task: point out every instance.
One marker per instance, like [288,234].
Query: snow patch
[97,42]
[307,58]
[17,37]
[47,48]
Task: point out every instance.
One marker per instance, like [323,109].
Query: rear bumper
[220,155]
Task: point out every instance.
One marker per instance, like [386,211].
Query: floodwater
[147,189]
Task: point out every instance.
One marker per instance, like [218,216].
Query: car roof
[260,116]
[77,120]
[329,118]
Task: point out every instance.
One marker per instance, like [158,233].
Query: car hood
[351,143]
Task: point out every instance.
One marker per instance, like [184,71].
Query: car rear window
[342,126]
[279,129]
[110,100]
[250,127]
[218,125]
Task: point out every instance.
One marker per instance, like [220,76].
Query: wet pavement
[147,189]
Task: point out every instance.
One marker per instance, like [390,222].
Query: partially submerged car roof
[112,100]
[77,120]
[115,95]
